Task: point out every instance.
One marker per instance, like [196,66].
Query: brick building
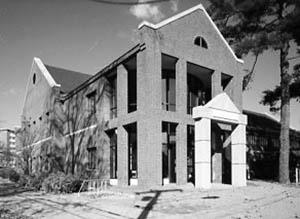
[132,121]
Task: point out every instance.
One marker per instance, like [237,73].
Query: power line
[133,2]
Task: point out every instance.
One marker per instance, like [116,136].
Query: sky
[85,36]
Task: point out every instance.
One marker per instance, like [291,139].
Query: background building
[7,147]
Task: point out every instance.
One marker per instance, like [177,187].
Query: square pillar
[122,156]
[149,147]
[181,154]
[203,153]
[149,79]
[238,156]
[181,86]
[216,87]
[122,93]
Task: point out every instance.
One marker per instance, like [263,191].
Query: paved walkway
[257,200]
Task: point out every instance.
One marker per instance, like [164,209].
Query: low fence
[95,186]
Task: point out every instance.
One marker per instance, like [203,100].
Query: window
[132,151]
[113,154]
[169,152]
[92,102]
[34,78]
[92,157]
[168,83]
[198,86]
[113,95]
[200,41]
[130,66]
[191,153]
[225,80]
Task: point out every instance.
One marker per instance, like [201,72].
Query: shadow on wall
[76,125]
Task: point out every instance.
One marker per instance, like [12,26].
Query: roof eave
[108,68]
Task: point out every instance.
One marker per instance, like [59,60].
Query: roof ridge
[65,69]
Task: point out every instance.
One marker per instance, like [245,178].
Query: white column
[238,156]
[203,153]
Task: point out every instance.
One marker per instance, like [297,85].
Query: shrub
[59,182]
[9,173]
[35,182]
[23,180]
[7,213]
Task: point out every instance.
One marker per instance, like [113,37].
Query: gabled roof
[222,102]
[184,13]
[220,108]
[68,79]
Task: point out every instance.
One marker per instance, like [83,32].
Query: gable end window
[34,78]
[200,41]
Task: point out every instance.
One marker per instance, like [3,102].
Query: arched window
[200,41]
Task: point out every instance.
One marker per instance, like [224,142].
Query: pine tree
[254,26]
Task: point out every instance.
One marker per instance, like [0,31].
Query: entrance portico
[221,110]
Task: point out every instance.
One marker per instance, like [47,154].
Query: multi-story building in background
[7,146]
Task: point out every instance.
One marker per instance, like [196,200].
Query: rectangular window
[191,153]
[113,95]
[198,86]
[168,83]
[113,154]
[168,152]
[92,157]
[132,150]
[132,85]
[225,80]
[92,102]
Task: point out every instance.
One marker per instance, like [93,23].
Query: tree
[254,26]
[272,97]
[26,139]
[72,120]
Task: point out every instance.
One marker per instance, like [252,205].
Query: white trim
[45,72]
[38,142]
[72,133]
[81,130]
[184,13]
[133,182]
[166,181]
[113,182]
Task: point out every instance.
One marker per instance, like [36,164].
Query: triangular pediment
[222,102]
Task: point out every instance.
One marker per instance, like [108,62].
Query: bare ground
[257,200]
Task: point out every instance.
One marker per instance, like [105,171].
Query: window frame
[202,42]
[92,158]
[92,102]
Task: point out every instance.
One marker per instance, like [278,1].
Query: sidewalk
[257,200]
